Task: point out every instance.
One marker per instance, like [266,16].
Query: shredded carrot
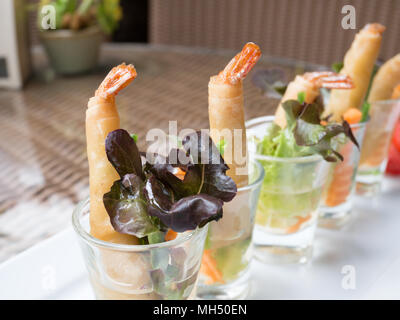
[396,92]
[352,116]
[340,185]
[180,173]
[170,235]
[300,220]
[323,123]
[209,268]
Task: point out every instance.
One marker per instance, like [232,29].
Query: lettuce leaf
[204,167]
[127,208]
[150,199]
[123,153]
[305,119]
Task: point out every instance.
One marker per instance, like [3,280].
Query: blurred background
[47,76]
[306,30]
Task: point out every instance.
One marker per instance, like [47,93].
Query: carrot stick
[209,268]
[300,222]
[170,235]
[352,115]
[340,186]
[180,173]
[396,92]
[101,118]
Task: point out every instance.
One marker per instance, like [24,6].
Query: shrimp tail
[238,68]
[118,78]
[329,80]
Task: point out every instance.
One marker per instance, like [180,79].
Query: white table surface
[368,246]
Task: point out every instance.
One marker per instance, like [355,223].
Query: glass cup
[224,272]
[374,151]
[290,195]
[160,271]
[336,205]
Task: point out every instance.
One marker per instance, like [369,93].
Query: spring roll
[226,111]
[300,84]
[101,118]
[358,65]
[386,79]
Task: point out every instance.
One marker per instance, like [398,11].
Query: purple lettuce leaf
[305,121]
[150,199]
[204,167]
[188,213]
[126,205]
[123,153]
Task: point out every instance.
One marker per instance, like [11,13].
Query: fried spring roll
[386,79]
[358,65]
[310,83]
[300,84]
[101,118]
[226,111]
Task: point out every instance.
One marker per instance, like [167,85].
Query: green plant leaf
[337,66]
[365,111]
[301,97]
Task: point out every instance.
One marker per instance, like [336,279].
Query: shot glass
[374,151]
[224,272]
[162,271]
[287,210]
[337,204]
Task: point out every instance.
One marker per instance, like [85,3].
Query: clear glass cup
[290,196]
[225,272]
[374,151]
[336,206]
[160,271]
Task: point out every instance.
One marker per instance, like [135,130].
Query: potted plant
[72,31]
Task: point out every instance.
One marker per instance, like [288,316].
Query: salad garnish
[306,133]
[150,199]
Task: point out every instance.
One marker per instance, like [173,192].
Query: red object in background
[393,165]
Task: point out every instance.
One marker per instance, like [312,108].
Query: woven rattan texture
[308,30]
[43,165]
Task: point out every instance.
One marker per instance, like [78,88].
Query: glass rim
[258,180]
[388,101]
[303,159]
[184,236]
[85,235]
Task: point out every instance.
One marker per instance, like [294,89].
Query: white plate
[361,261]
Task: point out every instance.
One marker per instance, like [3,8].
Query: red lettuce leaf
[304,119]
[187,213]
[123,153]
[127,207]
[204,167]
[151,198]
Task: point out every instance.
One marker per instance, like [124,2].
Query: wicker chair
[308,30]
